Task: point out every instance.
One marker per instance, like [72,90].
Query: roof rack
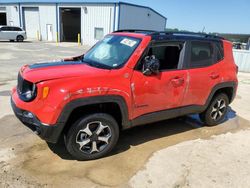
[169,34]
[193,34]
[135,31]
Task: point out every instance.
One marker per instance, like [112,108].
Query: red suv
[129,78]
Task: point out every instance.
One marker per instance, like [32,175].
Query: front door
[49,32]
[165,90]
[1,34]
[6,33]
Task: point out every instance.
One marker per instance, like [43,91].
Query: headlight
[28,95]
[27,90]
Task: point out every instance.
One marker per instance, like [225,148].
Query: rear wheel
[92,136]
[216,111]
[19,38]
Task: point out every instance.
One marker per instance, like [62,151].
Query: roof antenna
[203,29]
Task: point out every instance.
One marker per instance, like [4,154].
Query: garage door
[31,21]
[3,17]
[3,20]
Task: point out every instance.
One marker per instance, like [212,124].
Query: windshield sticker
[128,42]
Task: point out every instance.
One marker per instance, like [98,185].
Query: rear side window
[219,51]
[16,29]
[202,54]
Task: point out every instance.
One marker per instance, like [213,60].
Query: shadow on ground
[13,42]
[146,133]
[133,150]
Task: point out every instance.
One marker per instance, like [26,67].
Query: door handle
[214,75]
[177,81]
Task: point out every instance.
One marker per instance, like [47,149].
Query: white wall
[47,16]
[116,16]
[101,16]
[242,59]
[12,14]
[97,15]
[134,17]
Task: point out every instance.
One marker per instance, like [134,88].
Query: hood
[61,69]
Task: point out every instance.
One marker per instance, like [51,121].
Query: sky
[224,16]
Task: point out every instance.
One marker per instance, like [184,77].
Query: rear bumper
[50,133]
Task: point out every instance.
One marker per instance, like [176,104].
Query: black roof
[163,35]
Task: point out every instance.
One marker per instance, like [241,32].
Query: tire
[19,38]
[216,110]
[92,137]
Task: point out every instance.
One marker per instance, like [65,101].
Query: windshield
[112,52]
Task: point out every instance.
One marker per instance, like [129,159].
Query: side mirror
[151,65]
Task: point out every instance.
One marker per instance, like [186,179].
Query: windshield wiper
[97,65]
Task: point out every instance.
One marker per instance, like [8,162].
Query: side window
[219,51]
[16,29]
[202,54]
[168,54]
[5,29]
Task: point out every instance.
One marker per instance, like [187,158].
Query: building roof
[75,2]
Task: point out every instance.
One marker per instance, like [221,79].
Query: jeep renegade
[129,78]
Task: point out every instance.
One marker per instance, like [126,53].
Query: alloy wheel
[218,109]
[94,138]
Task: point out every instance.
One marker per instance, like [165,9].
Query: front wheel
[216,111]
[92,136]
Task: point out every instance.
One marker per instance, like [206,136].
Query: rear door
[18,31]
[12,33]
[204,72]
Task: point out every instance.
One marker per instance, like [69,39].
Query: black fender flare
[219,86]
[69,107]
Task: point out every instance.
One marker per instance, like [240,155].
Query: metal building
[65,19]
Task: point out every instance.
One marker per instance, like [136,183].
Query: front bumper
[50,133]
